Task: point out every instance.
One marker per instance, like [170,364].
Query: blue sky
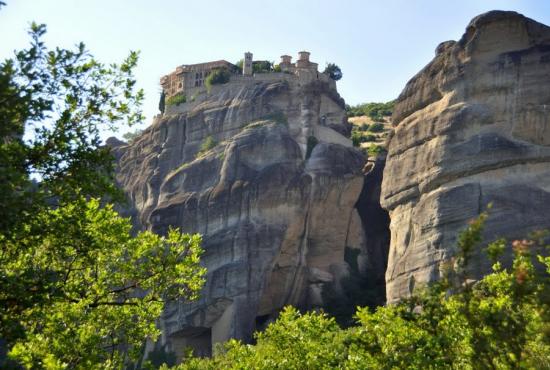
[379,45]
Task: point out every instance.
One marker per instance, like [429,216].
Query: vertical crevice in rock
[376,224]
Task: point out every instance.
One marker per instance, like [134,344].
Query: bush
[368,137]
[500,322]
[355,138]
[217,77]
[374,150]
[176,100]
[206,145]
[376,127]
[364,127]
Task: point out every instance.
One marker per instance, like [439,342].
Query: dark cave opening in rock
[197,339]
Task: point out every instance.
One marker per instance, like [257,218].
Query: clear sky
[379,45]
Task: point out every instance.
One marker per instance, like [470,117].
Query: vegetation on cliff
[217,77]
[333,71]
[176,100]
[498,322]
[77,288]
[376,111]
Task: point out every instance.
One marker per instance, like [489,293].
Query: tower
[247,64]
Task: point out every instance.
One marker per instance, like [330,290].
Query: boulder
[470,129]
[264,171]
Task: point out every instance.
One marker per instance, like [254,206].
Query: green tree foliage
[498,322]
[217,77]
[262,66]
[176,100]
[376,127]
[376,111]
[240,64]
[76,290]
[374,150]
[104,288]
[333,71]
[162,102]
[356,138]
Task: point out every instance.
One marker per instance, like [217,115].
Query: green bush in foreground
[499,322]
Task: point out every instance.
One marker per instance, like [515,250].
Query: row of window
[199,81]
[199,78]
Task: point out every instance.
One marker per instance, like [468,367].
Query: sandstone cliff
[273,195]
[471,128]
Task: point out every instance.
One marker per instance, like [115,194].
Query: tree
[240,64]
[162,102]
[217,77]
[498,322]
[262,66]
[333,71]
[76,289]
[104,288]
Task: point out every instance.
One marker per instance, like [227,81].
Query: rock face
[471,128]
[273,192]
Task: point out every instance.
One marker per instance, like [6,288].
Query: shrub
[364,127]
[355,138]
[206,145]
[374,150]
[368,137]
[217,77]
[376,127]
[500,322]
[176,100]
